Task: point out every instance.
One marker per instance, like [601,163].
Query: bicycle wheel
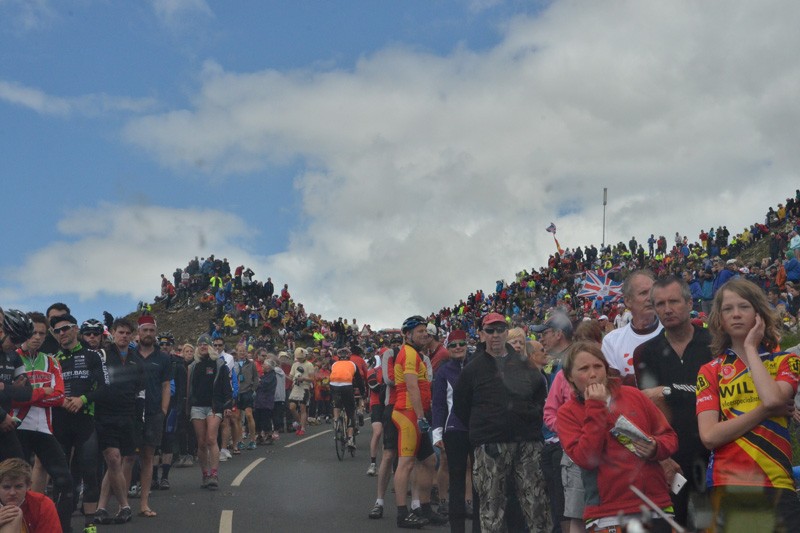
[339,437]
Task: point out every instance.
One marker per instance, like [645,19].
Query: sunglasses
[459,344]
[496,330]
[91,334]
[217,345]
[63,329]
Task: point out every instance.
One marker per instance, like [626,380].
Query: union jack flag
[551,228]
[599,284]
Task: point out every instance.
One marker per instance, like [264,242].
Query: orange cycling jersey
[342,373]
[408,361]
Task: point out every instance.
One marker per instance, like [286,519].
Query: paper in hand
[626,432]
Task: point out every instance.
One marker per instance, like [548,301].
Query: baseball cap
[730,262]
[557,321]
[491,318]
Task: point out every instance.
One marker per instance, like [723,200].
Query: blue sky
[384,159]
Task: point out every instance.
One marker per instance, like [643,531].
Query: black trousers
[50,453]
[456,444]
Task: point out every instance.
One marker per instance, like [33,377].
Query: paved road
[299,485]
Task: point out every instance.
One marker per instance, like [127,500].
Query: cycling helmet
[412,322]
[397,339]
[92,326]
[17,325]
[166,337]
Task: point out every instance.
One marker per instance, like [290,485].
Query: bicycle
[340,436]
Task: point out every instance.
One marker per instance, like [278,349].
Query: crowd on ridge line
[245,305]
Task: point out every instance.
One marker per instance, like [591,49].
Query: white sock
[415,504]
[379,501]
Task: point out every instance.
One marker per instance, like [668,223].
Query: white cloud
[121,251]
[26,15]
[173,12]
[430,176]
[89,105]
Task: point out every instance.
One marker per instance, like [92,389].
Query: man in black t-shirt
[666,368]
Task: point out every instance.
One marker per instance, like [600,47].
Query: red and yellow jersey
[408,361]
[762,457]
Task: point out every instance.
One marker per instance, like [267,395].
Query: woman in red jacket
[611,464]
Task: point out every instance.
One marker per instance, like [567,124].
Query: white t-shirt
[618,347]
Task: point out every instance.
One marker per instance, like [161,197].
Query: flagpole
[605,201]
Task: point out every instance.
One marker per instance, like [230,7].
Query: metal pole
[605,201]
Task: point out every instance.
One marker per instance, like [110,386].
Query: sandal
[148,513]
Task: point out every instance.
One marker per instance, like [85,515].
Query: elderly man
[562,475]
[618,345]
[666,369]
[500,399]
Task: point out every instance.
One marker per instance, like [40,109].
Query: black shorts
[343,398]
[153,429]
[376,413]
[116,432]
[389,429]
[245,400]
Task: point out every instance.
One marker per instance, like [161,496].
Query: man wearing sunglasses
[85,380]
[500,399]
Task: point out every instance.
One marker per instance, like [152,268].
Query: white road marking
[226,522]
[238,481]
[308,438]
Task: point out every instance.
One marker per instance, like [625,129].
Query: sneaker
[372,470]
[204,484]
[224,452]
[300,432]
[295,426]
[327,419]
[124,515]
[252,445]
[351,443]
[164,484]
[90,528]
[240,446]
[188,461]
[135,491]
[213,483]
[154,484]
[376,512]
[101,516]
[411,521]
[275,435]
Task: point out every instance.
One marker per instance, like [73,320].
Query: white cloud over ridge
[429,176]
[121,251]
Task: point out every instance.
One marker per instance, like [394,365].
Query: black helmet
[92,326]
[166,337]
[412,322]
[397,339]
[17,325]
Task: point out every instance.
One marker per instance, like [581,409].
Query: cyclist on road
[345,377]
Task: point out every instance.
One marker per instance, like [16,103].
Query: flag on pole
[551,228]
[558,246]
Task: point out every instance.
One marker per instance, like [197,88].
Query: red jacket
[584,431]
[39,514]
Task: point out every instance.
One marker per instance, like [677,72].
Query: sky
[384,159]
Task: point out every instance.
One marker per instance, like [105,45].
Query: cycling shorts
[343,398]
[410,441]
[389,431]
